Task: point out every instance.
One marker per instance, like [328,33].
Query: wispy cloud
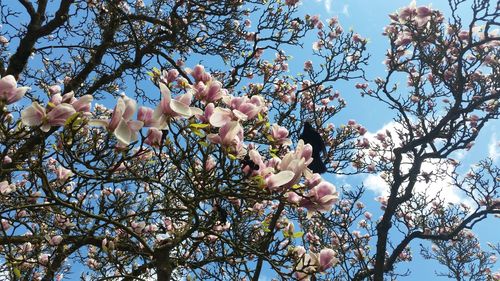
[328,4]
[494,148]
[345,10]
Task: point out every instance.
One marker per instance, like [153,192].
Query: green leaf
[260,180]
[199,126]
[259,116]
[72,118]
[17,272]
[198,132]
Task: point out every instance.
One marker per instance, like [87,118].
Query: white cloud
[440,184]
[375,183]
[345,10]
[494,148]
[328,6]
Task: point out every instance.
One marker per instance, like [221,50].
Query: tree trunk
[163,273]
[164,266]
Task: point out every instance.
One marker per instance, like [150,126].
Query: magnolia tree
[206,178]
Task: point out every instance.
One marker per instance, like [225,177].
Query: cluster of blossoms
[57,111]
[221,117]
[412,26]
[310,263]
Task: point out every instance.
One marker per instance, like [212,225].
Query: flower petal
[280,179]
[8,82]
[165,92]
[180,108]
[33,115]
[220,117]
[117,114]
[130,107]
[59,115]
[196,111]
[240,115]
[123,133]
[135,125]
[98,123]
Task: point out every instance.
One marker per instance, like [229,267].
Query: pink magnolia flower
[145,114]
[170,75]
[209,92]
[280,179]
[406,13]
[57,98]
[82,104]
[210,163]
[4,41]
[230,136]
[423,15]
[153,137]
[241,108]
[308,65]
[54,89]
[313,262]
[280,135]
[327,259]
[4,224]
[314,19]
[35,115]
[63,174]
[199,74]
[403,38]
[267,171]
[170,108]
[307,266]
[138,227]
[296,162]
[58,115]
[121,124]
[205,116]
[320,198]
[220,116]
[43,259]
[9,92]
[55,240]
[256,158]
[6,160]
[6,188]
[292,197]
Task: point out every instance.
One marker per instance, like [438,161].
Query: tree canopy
[119,161]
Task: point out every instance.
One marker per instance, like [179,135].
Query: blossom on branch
[9,92]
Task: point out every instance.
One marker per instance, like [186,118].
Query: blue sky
[368,17]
